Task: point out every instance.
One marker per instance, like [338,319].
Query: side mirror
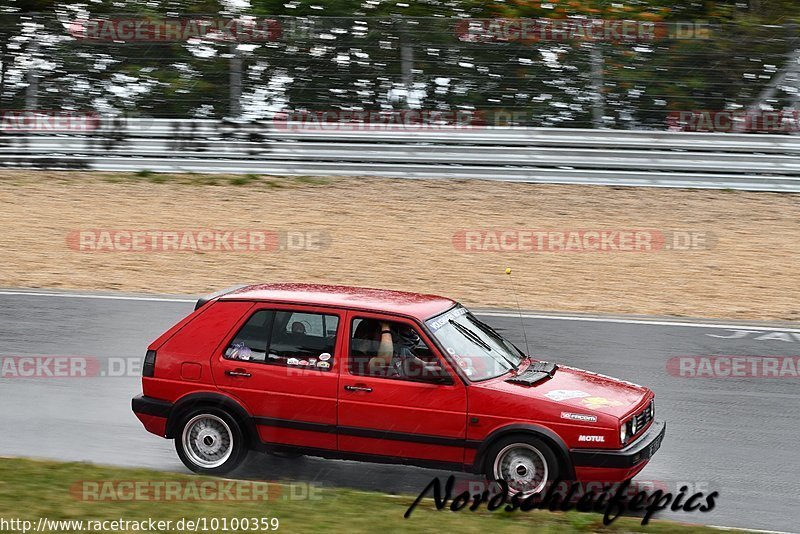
[437,374]
[444,380]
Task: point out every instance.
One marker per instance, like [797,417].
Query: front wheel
[210,441]
[526,463]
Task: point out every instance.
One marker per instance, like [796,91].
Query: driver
[395,351]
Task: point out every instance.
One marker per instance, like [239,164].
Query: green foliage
[348,54]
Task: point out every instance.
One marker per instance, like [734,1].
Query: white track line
[655,322]
[740,529]
[584,318]
[101,297]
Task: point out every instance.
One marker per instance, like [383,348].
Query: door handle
[238,372]
[359,387]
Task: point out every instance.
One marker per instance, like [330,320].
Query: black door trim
[365,432]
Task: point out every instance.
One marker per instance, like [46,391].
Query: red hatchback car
[383,376]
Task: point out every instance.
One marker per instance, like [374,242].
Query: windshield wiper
[492,333]
[485,327]
[475,338]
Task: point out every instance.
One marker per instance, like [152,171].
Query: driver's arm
[385,350]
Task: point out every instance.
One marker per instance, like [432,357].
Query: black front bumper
[639,451]
[150,406]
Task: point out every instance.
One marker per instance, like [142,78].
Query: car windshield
[481,352]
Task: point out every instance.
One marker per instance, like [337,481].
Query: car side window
[251,341]
[308,323]
[392,349]
[287,338]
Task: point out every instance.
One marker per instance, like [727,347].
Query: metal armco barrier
[566,156]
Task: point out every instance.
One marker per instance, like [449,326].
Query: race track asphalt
[737,436]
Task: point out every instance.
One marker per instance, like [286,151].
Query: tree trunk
[3,70]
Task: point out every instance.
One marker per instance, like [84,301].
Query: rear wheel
[210,441]
[526,463]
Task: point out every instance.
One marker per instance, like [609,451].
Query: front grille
[642,419]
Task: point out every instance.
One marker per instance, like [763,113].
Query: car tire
[210,441]
[526,463]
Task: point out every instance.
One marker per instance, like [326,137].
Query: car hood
[579,390]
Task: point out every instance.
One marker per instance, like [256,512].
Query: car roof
[417,305]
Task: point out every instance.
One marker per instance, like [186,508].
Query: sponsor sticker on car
[582,417]
[599,402]
[565,394]
[446,318]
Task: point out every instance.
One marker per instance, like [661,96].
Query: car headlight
[623,433]
[634,427]
[653,409]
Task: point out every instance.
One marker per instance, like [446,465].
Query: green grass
[244,180]
[203,179]
[272,184]
[32,489]
[311,180]
[195,179]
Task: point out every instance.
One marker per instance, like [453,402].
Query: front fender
[548,436]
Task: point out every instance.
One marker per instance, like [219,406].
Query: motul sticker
[595,439]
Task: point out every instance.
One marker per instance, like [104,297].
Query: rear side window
[288,338]
[251,341]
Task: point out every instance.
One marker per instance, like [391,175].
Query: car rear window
[288,338]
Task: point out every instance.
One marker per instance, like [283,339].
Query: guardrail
[569,156]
